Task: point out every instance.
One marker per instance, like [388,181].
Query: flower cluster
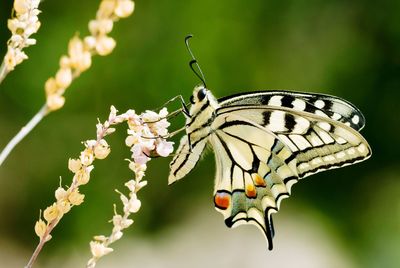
[66,198]
[146,136]
[146,131]
[80,51]
[24,23]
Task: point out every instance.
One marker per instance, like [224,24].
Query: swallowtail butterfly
[264,142]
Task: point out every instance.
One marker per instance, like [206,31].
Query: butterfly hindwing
[255,171]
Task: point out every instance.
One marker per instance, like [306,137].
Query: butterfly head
[201,98]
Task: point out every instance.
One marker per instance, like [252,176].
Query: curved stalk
[23,132]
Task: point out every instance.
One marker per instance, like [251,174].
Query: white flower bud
[21,6]
[64,77]
[105,45]
[124,8]
[55,102]
[98,249]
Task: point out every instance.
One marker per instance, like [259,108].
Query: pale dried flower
[51,213]
[40,228]
[74,165]
[76,198]
[102,149]
[105,45]
[124,8]
[99,249]
[55,102]
[64,77]
[83,175]
[87,157]
[64,206]
[24,23]
[61,193]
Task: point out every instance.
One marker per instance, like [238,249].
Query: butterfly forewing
[321,104]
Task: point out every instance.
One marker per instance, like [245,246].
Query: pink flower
[139,155]
[164,148]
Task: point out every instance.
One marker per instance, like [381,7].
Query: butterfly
[264,142]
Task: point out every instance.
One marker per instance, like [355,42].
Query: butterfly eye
[201,94]
[191,99]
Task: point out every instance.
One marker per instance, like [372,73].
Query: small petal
[117,236]
[98,249]
[131,184]
[61,193]
[105,45]
[64,77]
[55,102]
[164,148]
[76,198]
[124,8]
[64,206]
[40,228]
[21,6]
[87,157]
[74,165]
[51,213]
[101,150]
[51,86]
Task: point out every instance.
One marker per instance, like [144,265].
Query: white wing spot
[355,119]
[319,104]
[277,121]
[275,101]
[299,104]
[336,116]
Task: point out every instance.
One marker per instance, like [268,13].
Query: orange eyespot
[222,200]
[251,191]
[258,180]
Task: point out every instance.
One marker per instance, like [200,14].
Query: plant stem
[3,72]
[23,132]
[41,243]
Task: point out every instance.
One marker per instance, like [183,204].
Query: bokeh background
[348,217]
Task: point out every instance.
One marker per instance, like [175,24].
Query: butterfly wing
[320,104]
[255,171]
[185,159]
[258,164]
[319,143]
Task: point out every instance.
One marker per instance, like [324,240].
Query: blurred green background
[345,48]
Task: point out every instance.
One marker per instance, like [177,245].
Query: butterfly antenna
[194,62]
